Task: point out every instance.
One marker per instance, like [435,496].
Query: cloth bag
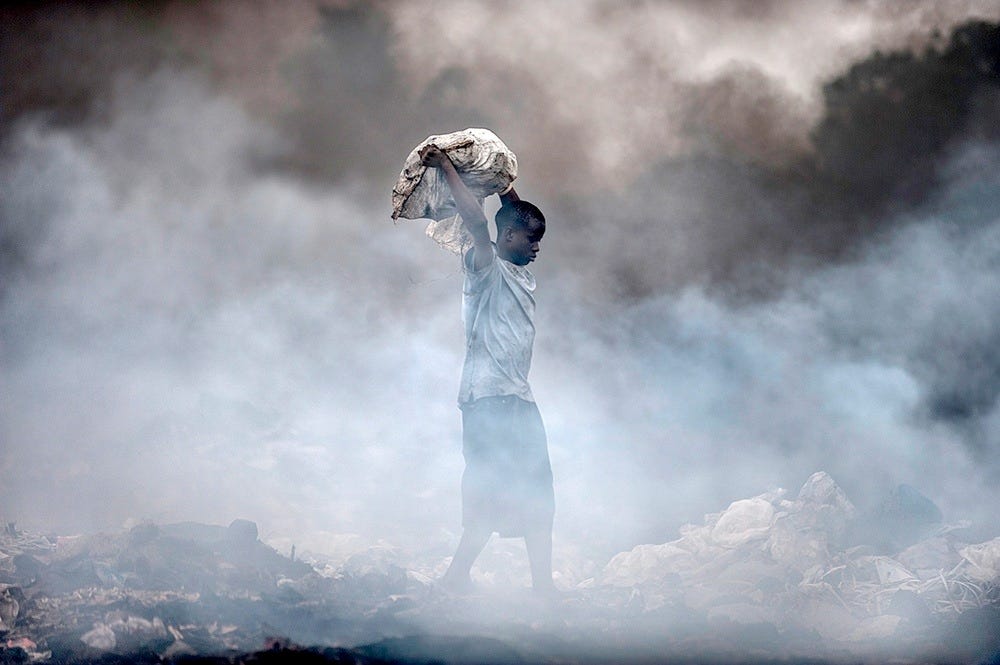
[484,163]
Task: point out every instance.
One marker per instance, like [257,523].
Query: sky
[772,249]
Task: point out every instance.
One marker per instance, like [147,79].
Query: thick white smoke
[186,337]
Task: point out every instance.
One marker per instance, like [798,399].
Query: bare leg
[539,546]
[472,544]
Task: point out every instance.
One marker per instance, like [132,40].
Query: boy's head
[520,227]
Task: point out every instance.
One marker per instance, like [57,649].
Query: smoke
[173,322]
[879,370]
[748,276]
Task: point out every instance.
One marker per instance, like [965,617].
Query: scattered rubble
[771,576]
[177,590]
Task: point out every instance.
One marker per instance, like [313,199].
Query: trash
[22,650]
[742,522]
[647,563]
[826,504]
[891,571]
[929,557]
[985,560]
[10,606]
[786,562]
[101,637]
[764,568]
[485,165]
[14,541]
[795,544]
[806,529]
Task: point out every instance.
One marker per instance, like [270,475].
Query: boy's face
[521,245]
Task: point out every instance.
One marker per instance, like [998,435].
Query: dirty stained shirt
[498,309]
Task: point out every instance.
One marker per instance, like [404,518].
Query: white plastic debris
[929,557]
[804,528]
[794,543]
[985,560]
[647,563]
[891,572]
[770,559]
[101,637]
[486,166]
[9,607]
[745,520]
[697,539]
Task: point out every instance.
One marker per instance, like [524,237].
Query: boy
[507,483]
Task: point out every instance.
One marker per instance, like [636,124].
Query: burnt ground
[193,593]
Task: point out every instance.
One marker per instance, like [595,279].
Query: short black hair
[518,214]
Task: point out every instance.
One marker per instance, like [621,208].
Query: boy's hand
[431,155]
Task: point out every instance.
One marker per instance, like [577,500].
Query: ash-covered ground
[772,578]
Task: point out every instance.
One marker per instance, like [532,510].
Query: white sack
[485,165]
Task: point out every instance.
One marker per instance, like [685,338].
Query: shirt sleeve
[477,278]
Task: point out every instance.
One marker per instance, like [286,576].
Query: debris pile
[772,576]
[179,590]
[796,563]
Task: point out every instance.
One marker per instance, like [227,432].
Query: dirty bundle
[485,165]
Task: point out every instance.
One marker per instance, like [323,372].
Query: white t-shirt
[498,309]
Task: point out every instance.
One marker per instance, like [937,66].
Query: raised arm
[468,205]
[509,196]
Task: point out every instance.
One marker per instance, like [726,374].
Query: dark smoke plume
[731,218]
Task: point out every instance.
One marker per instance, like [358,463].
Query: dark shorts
[507,484]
